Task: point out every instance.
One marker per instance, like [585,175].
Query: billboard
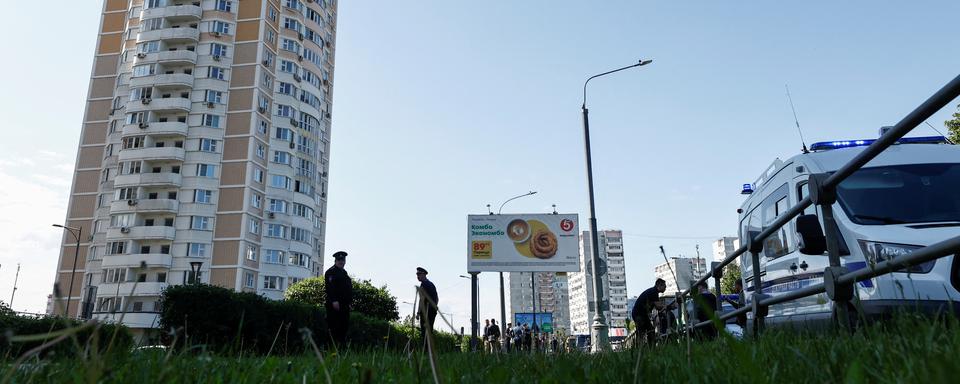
[545,319]
[523,243]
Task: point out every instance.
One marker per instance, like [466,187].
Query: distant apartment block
[614,288]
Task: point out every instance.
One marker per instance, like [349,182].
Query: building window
[218,50]
[224,5]
[211,121]
[116,247]
[261,151]
[284,134]
[202,196]
[258,175]
[277,231]
[286,111]
[254,226]
[209,145]
[281,157]
[290,45]
[268,58]
[289,67]
[273,256]
[287,89]
[220,27]
[278,206]
[200,223]
[248,279]
[251,252]
[272,282]
[280,181]
[262,127]
[256,201]
[216,73]
[206,170]
[213,96]
[272,13]
[196,250]
[144,70]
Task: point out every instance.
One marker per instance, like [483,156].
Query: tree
[367,299]
[954,126]
[730,275]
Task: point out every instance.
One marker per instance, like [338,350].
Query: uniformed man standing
[339,297]
[430,290]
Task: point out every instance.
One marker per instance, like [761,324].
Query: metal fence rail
[838,283]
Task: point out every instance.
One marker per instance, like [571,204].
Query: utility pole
[15,278]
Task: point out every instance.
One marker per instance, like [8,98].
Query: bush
[224,320]
[367,299]
[13,325]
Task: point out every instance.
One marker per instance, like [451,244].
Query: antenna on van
[938,132]
[795,120]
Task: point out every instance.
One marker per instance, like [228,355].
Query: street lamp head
[58,225]
[644,62]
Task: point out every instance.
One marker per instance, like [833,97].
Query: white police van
[906,198]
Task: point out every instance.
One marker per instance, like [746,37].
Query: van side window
[803,190]
[773,206]
[750,224]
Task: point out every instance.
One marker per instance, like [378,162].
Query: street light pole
[503,309]
[76,254]
[599,337]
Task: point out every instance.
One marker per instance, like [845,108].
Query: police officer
[339,297]
[430,291]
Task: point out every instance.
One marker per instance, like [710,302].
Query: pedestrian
[428,300]
[518,337]
[646,302]
[494,336]
[508,337]
[339,289]
[527,337]
[706,303]
[738,303]
[486,335]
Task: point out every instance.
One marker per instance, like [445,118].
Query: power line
[674,237]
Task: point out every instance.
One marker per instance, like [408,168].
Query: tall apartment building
[686,269]
[725,246]
[550,297]
[205,139]
[614,289]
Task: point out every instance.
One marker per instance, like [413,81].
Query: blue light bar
[747,189]
[828,145]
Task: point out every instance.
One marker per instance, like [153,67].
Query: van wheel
[853,321]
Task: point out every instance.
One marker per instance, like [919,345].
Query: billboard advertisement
[523,243]
[545,319]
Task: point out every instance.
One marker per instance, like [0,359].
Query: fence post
[717,275]
[841,294]
[759,312]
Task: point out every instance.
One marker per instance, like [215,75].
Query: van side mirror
[811,239]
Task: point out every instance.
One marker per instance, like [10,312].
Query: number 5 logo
[566,225]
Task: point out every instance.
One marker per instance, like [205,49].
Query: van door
[811,267]
[781,276]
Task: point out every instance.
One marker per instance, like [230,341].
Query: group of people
[339,298]
[664,320]
[520,337]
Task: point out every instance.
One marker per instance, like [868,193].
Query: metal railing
[838,282]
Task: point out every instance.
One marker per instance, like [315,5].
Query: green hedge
[223,320]
[12,325]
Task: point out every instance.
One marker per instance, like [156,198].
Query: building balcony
[172,35]
[163,80]
[174,12]
[180,56]
[156,128]
[156,232]
[152,260]
[130,319]
[179,104]
[145,205]
[127,289]
[155,153]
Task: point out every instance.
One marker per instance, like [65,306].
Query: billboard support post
[503,311]
[473,311]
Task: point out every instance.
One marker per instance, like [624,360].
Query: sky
[441,107]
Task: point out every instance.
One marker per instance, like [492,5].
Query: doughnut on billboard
[523,243]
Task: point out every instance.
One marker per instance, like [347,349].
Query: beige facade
[205,139]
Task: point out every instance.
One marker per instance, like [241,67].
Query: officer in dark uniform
[339,297]
[430,291]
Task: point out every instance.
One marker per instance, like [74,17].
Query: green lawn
[906,351]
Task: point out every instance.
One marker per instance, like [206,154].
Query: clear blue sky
[441,107]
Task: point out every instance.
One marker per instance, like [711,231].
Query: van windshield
[902,194]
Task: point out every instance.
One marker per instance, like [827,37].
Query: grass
[909,349]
